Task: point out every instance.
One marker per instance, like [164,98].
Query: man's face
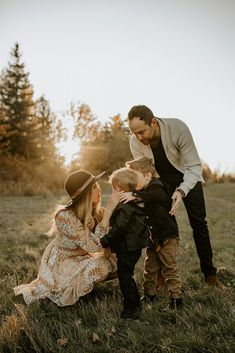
[143,131]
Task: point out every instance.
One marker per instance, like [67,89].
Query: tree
[46,133]
[80,119]
[4,131]
[85,123]
[109,149]
[18,120]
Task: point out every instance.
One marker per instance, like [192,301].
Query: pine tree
[47,130]
[17,106]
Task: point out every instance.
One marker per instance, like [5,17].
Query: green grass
[206,324]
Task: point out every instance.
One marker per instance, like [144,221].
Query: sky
[175,56]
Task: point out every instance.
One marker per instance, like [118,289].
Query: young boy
[127,236]
[162,249]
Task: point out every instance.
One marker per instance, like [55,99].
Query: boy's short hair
[142,164]
[125,178]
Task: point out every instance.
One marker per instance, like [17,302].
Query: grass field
[206,324]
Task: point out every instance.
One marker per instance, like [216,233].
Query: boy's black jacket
[128,230]
[157,204]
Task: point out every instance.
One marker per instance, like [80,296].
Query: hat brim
[73,201]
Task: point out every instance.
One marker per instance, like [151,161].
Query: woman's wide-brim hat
[78,184]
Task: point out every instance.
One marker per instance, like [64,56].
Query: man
[170,145]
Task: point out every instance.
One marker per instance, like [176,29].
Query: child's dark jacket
[157,204]
[128,230]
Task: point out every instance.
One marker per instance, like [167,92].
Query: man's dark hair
[142,112]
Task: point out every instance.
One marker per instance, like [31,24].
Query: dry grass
[22,177]
[206,324]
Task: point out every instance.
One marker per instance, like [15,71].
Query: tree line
[30,132]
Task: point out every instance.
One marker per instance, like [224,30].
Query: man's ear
[154,122]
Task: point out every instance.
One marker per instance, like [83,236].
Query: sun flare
[68,149]
[71,147]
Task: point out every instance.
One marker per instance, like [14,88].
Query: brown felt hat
[78,183]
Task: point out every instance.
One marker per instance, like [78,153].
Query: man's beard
[155,141]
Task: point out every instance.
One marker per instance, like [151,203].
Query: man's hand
[177,198]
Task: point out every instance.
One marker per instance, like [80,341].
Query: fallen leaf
[95,338]
[62,341]
[112,330]
[187,246]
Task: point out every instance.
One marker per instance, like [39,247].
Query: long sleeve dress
[71,264]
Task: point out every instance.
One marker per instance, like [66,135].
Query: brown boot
[214,281]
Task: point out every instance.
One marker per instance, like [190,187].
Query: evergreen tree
[4,131]
[46,133]
[17,107]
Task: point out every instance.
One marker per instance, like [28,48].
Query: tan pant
[163,259]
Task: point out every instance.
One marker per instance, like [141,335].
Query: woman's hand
[114,200]
[107,253]
[126,197]
[112,203]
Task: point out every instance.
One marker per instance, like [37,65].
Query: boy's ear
[117,188]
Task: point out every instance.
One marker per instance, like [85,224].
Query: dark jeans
[195,207]
[126,262]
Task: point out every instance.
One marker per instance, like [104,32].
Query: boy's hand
[177,198]
[126,197]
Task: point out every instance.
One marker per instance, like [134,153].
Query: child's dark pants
[126,262]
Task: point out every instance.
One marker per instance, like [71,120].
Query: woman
[74,260]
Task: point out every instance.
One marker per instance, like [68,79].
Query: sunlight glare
[71,147]
[68,149]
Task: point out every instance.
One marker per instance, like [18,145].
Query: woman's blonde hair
[126,179]
[143,165]
[82,209]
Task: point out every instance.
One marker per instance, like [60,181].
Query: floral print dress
[71,264]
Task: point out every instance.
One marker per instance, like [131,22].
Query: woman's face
[96,194]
